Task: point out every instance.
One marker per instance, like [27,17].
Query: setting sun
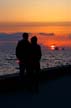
[52,47]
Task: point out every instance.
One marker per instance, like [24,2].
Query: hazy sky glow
[47,16]
[35,10]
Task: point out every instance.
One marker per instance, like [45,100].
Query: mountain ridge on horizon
[18,36]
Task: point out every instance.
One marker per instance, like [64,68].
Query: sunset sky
[35,10]
[52,16]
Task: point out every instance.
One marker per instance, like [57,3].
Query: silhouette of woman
[35,61]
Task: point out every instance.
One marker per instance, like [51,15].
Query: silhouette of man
[23,54]
[35,61]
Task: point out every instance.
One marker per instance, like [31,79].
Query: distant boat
[62,48]
[47,34]
[58,48]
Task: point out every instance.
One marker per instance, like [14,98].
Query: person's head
[25,36]
[34,40]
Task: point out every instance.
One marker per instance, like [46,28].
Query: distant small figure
[23,54]
[35,61]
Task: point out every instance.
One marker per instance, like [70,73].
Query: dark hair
[34,39]
[25,36]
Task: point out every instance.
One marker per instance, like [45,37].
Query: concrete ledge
[12,82]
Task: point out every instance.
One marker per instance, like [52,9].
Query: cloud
[47,34]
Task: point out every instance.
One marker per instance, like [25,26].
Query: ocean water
[49,58]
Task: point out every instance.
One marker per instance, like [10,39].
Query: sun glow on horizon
[52,47]
[38,16]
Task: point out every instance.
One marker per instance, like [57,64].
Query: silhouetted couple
[29,55]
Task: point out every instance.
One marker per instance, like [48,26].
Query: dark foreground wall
[13,82]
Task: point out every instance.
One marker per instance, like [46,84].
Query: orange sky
[61,37]
[24,15]
[35,10]
[57,28]
[57,40]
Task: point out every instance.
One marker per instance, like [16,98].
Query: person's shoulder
[38,45]
[20,41]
